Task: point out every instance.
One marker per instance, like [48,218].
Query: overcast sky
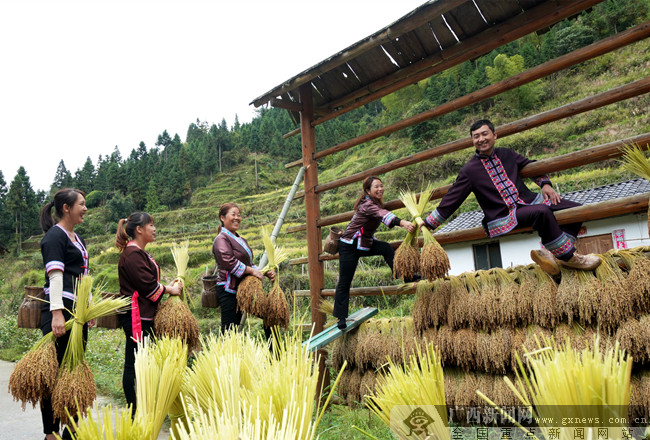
[78,78]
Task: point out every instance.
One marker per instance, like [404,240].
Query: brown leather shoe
[583,262]
[546,261]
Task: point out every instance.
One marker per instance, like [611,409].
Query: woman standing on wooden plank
[66,259]
[358,241]
[234,259]
[139,277]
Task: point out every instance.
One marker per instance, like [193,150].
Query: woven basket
[209,294]
[29,313]
[331,245]
[108,321]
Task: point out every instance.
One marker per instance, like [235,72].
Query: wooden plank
[498,11]
[626,91]
[332,333]
[578,56]
[427,39]
[442,32]
[400,289]
[566,161]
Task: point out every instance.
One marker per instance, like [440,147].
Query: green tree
[523,97]
[84,177]
[62,178]
[23,206]
[5,216]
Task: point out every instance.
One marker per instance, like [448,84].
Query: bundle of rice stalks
[634,161]
[368,343]
[34,375]
[174,317]
[108,425]
[434,262]
[439,303]
[275,307]
[159,368]
[465,348]
[523,308]
[616,302]
[634,337]
[562,382]
[74,388]
[460,297]
[405,388]
[485,304]
[544,293]
[567,294]
[589,296]
[508,298]
[494,350]
[423,295]
[368,383]
[250,296]
[230,377]
[407,258]
[400,340]
[637,282]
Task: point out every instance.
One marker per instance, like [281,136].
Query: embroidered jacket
[138,272]
[365,222]
[498,187]
[70,257]
[232,254]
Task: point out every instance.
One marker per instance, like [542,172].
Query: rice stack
[616,302]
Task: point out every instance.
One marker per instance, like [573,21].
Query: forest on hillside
[165,176]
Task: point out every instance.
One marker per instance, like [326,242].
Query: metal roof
[437,35]
[618,190]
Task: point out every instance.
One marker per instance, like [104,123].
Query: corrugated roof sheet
[618,190]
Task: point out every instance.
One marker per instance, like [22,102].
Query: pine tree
[62,178]
[22,204]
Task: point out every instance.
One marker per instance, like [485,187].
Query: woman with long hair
[66,259]
[358,241]
[139,277]
[234,259]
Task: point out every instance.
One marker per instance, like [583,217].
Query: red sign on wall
[618,237]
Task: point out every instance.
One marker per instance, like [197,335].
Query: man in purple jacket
[492,174]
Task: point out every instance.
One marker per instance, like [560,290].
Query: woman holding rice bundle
[358,241]
[234,259]
[139,277]
[66,259]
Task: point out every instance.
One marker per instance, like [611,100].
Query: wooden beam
[571,59]
[626,91]
[544,15]
[411,21]
[401,289]
[287,105]
[590,155]
[594,211]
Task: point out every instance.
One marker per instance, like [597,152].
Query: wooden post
[312,211]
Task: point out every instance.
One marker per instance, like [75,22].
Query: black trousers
[50,424]
[230,316]
[130,349]
[542,220]
[348,260]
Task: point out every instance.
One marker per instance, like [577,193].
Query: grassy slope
[261,205]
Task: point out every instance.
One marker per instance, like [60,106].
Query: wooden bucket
[109,321]
[29,313]
[209,294]
[331,245]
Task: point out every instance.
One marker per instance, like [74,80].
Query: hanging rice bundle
[589,296]
[424,293]
[366,344]
[459,298]
[174,317]
[508,297]
[485,303]
[34,375]
[562,382]
[250,296]
[404,388]
[407,258]
[637,282]
[616,302]
[465,348]
[544,300]
[368,383]
[439,303]
[275,307]
[434,262]
[634,161]
[159,368]
[526,291]
[568,293]
[634,337]
[75,386]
